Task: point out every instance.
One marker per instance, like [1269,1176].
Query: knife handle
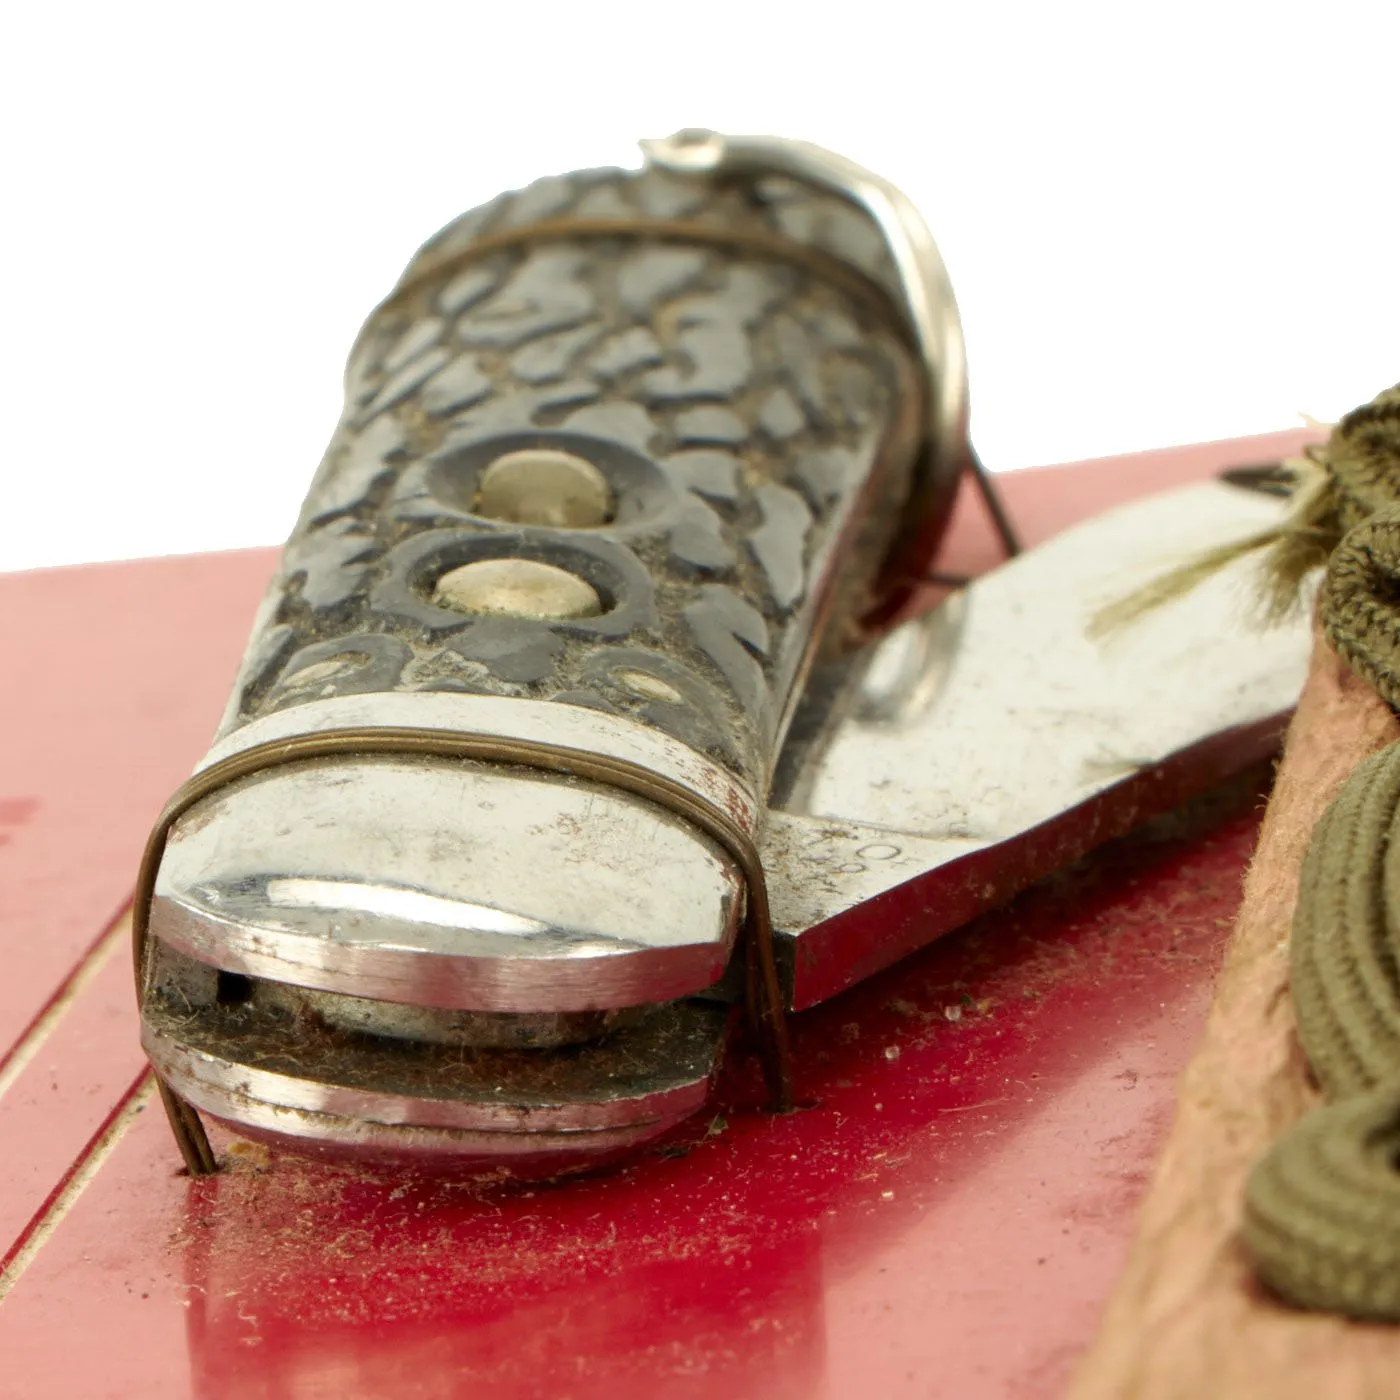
[629,441]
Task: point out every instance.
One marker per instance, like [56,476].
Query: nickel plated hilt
[564,729]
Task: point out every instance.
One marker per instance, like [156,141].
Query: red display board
[945,1215]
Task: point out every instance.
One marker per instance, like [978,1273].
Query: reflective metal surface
[445,884]
[925,288]
[925,291]
[947,756]
[571,726]
[269,1061]
[417,904]
[1033,711]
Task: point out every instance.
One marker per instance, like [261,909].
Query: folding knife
[574,719]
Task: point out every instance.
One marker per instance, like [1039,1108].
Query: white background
[1164,223]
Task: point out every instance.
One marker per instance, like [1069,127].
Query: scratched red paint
[114,679]
[946,1218]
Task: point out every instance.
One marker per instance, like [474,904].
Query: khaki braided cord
[1352,479]
[1322,1210]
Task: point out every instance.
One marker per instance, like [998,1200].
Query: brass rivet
[516,588]
[647,686]
[321,671]
[542,486]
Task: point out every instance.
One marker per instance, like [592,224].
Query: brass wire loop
[864,290]
[878,303]
[924,513]
[763,991]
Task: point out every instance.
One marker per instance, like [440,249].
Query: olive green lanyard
[1322,1210]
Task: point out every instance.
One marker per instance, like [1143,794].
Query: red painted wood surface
[945,1217]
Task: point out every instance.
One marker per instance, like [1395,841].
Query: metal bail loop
[925,289]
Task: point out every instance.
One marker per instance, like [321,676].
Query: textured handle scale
[749,415]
